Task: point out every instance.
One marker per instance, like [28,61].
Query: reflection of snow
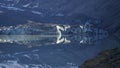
[81,26]
[59,40]
[26,5]
[72,65]
[60,14]
[52,33]
[1,12]
[66,27]
[15,64]
[67,41]
[36,5]
[81,41]
[12,8]
[36,12]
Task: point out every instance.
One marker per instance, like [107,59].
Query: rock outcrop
[105,59]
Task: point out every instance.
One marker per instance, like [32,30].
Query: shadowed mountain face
[103,14]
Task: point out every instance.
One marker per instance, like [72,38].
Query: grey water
[43,45]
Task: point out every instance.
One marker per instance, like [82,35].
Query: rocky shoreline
[105,59]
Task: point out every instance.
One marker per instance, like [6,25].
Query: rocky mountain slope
[105,59]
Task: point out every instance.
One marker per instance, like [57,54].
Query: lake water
[32,47]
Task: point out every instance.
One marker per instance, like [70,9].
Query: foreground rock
[106,59]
